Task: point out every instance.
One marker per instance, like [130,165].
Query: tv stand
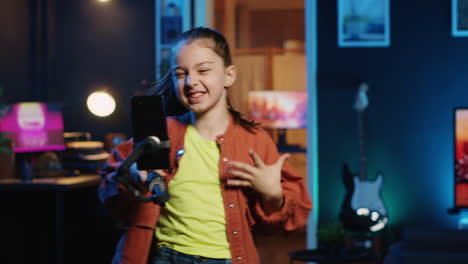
[462,217]
[426,244]
[454,210]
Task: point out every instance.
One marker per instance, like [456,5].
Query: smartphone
[149,119]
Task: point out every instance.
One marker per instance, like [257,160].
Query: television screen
[278,109]
[33,126]
[461,157]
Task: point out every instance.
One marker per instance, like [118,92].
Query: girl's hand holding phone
[264,179]
[139,177]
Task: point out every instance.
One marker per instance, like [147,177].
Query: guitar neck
[362,147]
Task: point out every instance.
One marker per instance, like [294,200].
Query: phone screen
[148,119]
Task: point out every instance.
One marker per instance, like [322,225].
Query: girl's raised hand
[264,179]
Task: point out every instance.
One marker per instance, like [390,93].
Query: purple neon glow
[33,127]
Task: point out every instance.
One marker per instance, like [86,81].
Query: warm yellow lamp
[100,103]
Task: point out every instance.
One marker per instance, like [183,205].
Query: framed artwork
[364,23]
[172,18]
[460,18]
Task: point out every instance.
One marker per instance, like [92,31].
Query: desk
[28,212]
[48,184]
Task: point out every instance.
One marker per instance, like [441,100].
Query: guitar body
[363,206]
[367,195]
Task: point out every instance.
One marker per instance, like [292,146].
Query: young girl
[226,177]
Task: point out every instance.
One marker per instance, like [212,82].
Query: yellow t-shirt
[193,220]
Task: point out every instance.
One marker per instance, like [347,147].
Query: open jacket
[243,209]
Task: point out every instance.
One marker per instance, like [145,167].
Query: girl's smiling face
[200,77]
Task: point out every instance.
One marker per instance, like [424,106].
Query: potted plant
[331,237]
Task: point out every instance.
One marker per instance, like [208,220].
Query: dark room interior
[58,52]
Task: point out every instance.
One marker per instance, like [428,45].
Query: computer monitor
[461,157]
[34,127]
[279,110]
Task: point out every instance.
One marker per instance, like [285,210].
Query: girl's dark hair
[215,41]
[164,87]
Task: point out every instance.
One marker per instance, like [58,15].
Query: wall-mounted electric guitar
[363,208]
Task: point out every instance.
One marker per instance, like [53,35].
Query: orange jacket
[243,209]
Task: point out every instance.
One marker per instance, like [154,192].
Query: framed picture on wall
[364,23]
[172,18]
[460,18]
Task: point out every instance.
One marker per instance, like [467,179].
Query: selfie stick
[156,184]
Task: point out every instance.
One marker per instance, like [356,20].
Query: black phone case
[148,119]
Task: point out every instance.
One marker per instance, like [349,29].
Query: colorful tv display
[33,126]
[278,109]
[461,157]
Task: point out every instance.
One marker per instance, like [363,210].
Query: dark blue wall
[414,85]
[61,51]
[14,49]
[102,45]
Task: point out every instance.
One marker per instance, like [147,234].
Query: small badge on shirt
[180,152]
